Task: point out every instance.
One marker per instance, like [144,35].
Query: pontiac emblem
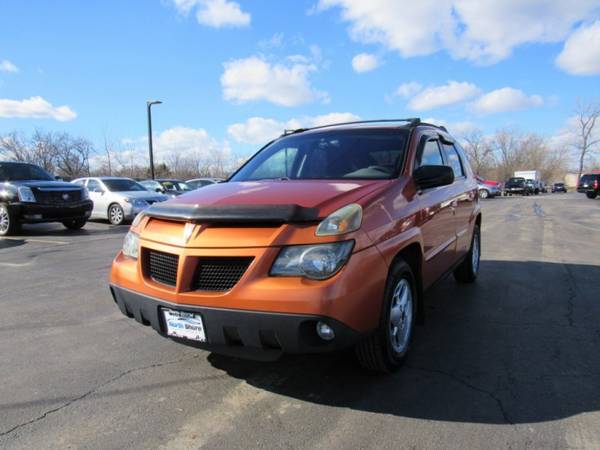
[188,231]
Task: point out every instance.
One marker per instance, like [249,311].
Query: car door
[463,192]
[97,195]
[437,216]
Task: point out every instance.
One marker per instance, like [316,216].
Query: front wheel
[8,221]
[116,215]
[385,350]
[468,270]
[74,224]
[591,195]
[483,193]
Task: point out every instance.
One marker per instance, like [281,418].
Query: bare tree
[587,116]
[55,152]
[479,151]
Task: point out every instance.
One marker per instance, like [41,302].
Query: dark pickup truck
[29,194]
[517,186]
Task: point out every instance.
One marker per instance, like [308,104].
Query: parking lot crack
[471,386]
[92,391]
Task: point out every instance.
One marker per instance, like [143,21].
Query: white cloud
[35,108]
[445,95]
[484,31]
[179,141]
[504,100]
[215,13]
[260,130]
[284,84]
[7,66]
[186,141]
[581,53]
[408,89]
[364,62]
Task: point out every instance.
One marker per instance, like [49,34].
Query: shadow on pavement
[519,346]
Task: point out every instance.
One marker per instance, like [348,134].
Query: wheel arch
[412,254]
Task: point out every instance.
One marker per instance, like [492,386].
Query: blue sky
[216,64]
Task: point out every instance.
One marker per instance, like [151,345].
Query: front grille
[219,274]
[160,267]
[57,197]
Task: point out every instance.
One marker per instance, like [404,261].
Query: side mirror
[433,176]
[160,190]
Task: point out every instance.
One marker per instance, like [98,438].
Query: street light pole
[149,108]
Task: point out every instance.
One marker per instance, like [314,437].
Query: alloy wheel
[116,215]
[401,316]
[4,220]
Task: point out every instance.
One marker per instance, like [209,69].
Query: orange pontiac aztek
[325,239]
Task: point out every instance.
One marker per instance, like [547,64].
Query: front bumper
[241,333]
[39,212]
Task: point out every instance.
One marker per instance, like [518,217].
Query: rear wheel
[8,221]
[385,350]
[483,193]
[469,269]
[591,195]
[74,224]
[116,215]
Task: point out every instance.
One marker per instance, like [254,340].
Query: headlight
[131,245]
[344,220]
[26,195]
[318,262]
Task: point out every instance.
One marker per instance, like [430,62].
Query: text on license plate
[184,325]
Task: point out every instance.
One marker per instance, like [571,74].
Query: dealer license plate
[184,325]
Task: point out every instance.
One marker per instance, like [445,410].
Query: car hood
[45,184]
[323,195]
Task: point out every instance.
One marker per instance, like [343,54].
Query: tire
[468,270]
[591,195]
[8,221]
[75,224]
[483,193]
[116,215]
[385,350]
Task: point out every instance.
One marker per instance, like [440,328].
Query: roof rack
[413,121]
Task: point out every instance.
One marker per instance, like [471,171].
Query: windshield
[175,186]
[22,172]
[345,154]
[123,185]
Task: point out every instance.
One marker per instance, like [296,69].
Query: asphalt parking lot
[510,362]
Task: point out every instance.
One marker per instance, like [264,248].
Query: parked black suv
[589,184]
[29,194]
[517,185]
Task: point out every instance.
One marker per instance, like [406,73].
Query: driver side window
[94,186]
[430,155]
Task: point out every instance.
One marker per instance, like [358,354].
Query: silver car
[118,199]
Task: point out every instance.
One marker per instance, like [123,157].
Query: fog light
[324,331]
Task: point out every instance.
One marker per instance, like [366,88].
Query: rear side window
[430,155]
[454,160]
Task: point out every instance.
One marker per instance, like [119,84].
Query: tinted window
[430,155]
[20,171]
[123,185]
[454,160]
[589,178]
[94,186]
[349,154]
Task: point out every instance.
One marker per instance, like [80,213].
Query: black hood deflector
[233,213]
